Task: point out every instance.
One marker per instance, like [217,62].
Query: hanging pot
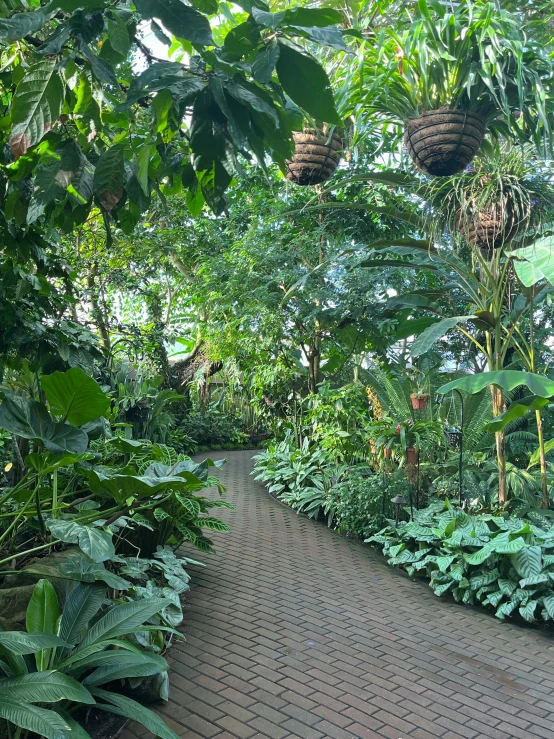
[443,142]
[491,228]
[419,401]
[316,157]
[411,455]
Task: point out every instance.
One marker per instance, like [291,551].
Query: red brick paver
[294,631]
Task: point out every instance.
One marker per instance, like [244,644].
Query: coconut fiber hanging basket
[316,157]
[443,142]
[490,228]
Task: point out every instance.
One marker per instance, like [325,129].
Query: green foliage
[499,562]
[359,502]
[92,652]
[474,56]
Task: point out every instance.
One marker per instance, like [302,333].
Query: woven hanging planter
[315,159]
[443,142]
[489,229]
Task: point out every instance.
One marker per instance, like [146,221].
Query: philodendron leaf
[94,542]
[517,409]
[305,81]
[78,568]
[433,333]
[36,105]
[75,396]
[506,379]
[31,420]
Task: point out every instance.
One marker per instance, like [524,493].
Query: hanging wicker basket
[443,142]
[316,157]
[491,228]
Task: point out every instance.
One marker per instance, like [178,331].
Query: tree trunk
[98,315]
[500,437]
[542,456]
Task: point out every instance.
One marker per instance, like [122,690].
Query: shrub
[499,562]
[361,501]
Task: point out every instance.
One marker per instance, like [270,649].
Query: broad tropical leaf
[433,333]
[42,616]
[40,721]
[515,410]
[130,665]
[81,605]
[37,104]
[506,379]
[19,642]
[93,541]
[75,396]
[306,83]
[123,619]
[44,687]
[122,706]
[31,420]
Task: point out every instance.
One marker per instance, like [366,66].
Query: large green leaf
[506,379]
[93,541]
[122,706]
[80,569]
[20,642]
[36,105]
[528,561]
[40,721]
[123,619]
[515,410]
[20,25]
[265,61]
[81,605]
[42,616]
[75,396]
[44,687]
[306,83]
[129,665]
[120,487]
[309,17]
[182,20]
[414,327]
[31,420]
[433,333]
[536,456]
[110,171]
[535,262]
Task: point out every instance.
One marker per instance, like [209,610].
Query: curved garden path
[293,631]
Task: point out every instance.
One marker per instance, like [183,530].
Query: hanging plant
[498,200]
[316,156]
[455,73]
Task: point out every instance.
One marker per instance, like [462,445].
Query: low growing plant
[503,563]
[66,659]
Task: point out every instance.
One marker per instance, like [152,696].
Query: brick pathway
[293,631]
